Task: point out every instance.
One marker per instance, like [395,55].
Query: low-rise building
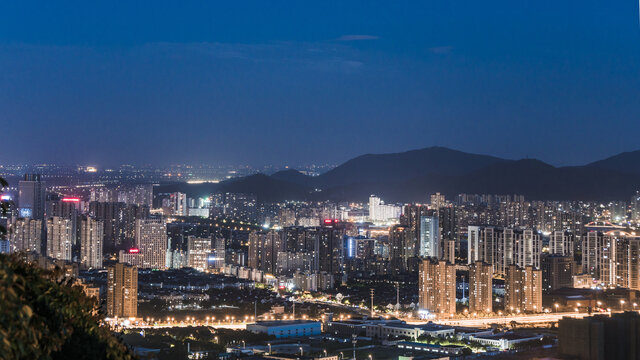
[386,330]
[285,329]
[503,341]
[431,348]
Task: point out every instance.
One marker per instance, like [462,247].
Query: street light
[301,351]
[556,306]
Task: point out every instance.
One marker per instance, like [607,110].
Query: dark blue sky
[276,82]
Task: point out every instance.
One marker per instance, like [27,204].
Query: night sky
[283,82]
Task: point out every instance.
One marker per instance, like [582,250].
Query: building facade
[122,291]
[437,287]
[480,287]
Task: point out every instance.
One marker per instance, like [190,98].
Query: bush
[43,316]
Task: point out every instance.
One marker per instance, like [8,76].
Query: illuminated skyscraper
[216,259]
[430,237]
[60,238]
[437,287]
[619,260]
[330,246]
[256,249]
[122,291]
[31,197]
[399,251]
[91,237]
[523,289]
[480,287]
[502,247]
[175,204]
[437,201]
[561,243]
[197,251]
[151,239]
[25,234]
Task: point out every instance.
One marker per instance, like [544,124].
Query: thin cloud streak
[357,37]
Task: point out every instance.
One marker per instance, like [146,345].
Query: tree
[44,316]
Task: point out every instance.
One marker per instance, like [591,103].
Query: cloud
[441,49]
[357,37]
[322,56]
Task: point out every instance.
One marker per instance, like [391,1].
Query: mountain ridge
[411,175]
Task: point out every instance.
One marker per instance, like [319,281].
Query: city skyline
[234,86]
[341,180]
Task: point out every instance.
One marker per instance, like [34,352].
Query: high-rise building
[399,250]
[619,260]
[122,291]
[437,201]
[60,238]
[449,251]
[295,239]
[502,247]
[91,237]
[430,237]
[557,272]
[112,216]
[131,257]
[523,289]
[480,287]
[448,221]
[437,287]
[561,243]
[273,244]
[600,337]
[175,204]
[240,206]
[256,249]
[592,243]
[151,239]
[635,207]
[26,235]
[31,197]
[139,194]
[216,259]
[412,220]
[198,250]
[330,246]
[379,211]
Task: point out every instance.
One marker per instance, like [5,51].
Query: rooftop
[507,336]
[285,322]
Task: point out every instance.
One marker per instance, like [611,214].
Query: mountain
[411,176]
[265,188]
[626,162]
[409,164]
[292,176]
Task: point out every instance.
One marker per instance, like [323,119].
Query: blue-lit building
[286,329]
[429,237]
